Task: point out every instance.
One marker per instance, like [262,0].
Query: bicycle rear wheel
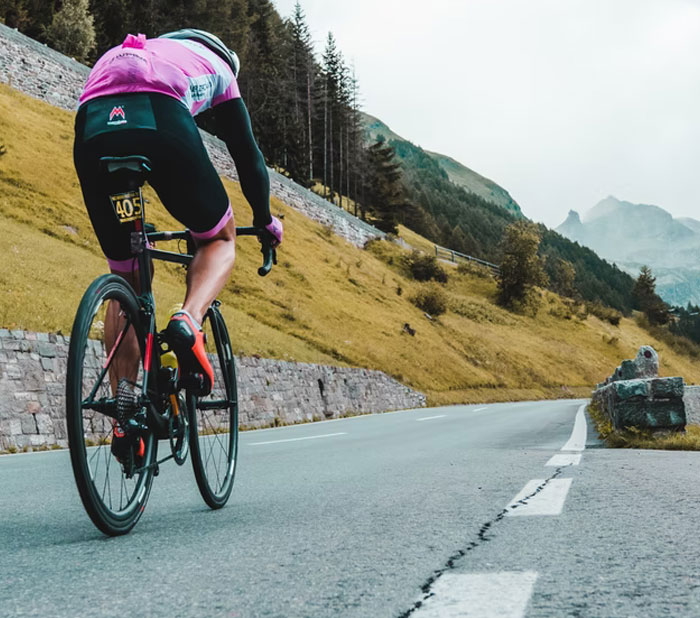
[214,418]
[114,494]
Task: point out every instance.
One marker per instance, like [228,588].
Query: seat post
[127,176]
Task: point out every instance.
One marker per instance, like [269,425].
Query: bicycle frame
[168,405]
[142,247]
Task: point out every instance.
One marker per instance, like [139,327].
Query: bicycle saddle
[132,163]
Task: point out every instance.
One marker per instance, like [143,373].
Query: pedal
[194,383]
[159,423]
[167,380]
[133,427]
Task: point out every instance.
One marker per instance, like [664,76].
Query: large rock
[644,365]
[650,414]
[691,398]
[647,362]
[654,404]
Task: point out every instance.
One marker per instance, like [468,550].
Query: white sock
[189,315]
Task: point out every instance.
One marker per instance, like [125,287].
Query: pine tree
[40,14]
[72,30]
[649,302]
[264,83]
[303,70]
[562,276]
[14,14]
[356,148]
[111,23]
[332,63]
[385,195]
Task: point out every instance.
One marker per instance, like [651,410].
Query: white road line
[479,595]
[335,420]
[549,501]
[430,418]
[564,459]
[577,441]
[325,435]
[478,410]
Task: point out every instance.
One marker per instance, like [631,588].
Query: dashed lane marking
[325,435]
[430,418]
[549,501]
[577,441]
[479,595]
[564,459]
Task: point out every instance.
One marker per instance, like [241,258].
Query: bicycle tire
[89,430]
[214,419]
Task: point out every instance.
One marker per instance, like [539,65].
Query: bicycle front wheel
[214,418]
[107,342]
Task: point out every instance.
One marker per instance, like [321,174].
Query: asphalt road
[441,512]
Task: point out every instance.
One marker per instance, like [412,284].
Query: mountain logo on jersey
[117,116]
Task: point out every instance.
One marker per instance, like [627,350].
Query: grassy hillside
[326,302]
[476,183]
[459,174]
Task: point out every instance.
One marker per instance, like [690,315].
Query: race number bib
[127,206]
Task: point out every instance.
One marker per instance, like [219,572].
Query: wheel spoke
[108,362]
[215,437]
[97,357]
[106,485]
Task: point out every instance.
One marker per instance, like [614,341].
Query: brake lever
[269,257]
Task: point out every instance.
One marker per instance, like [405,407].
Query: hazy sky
[561,102]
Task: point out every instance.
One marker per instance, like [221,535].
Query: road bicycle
[159,404]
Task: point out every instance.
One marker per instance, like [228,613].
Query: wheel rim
[216,416]
[116,489]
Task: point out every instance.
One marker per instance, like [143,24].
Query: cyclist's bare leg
[210,270]
[206,276]
[125,363]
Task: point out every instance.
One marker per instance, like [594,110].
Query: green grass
[326,302]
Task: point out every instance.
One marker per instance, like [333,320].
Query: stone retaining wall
[41,72]
[634,395]
[33,365]
[32,391]
[691,398]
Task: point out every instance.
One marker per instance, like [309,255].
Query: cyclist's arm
[233,124]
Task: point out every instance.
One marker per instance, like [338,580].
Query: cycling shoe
[186,339]
[127,448]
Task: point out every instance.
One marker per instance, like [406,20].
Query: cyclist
[140,98]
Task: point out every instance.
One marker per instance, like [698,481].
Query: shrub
[423,267]
[477,312]
[431,298]
[327,231]
[466,267]
[567,309]
[387,252]
[604,313]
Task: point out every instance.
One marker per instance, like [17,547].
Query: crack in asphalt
[481,538]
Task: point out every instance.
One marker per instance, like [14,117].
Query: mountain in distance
[634,235]
[459,174]
[448,211]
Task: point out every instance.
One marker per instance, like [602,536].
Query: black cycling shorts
[161,128]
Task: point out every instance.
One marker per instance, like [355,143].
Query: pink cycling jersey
[185,70]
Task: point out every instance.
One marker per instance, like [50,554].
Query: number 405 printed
[127,206]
